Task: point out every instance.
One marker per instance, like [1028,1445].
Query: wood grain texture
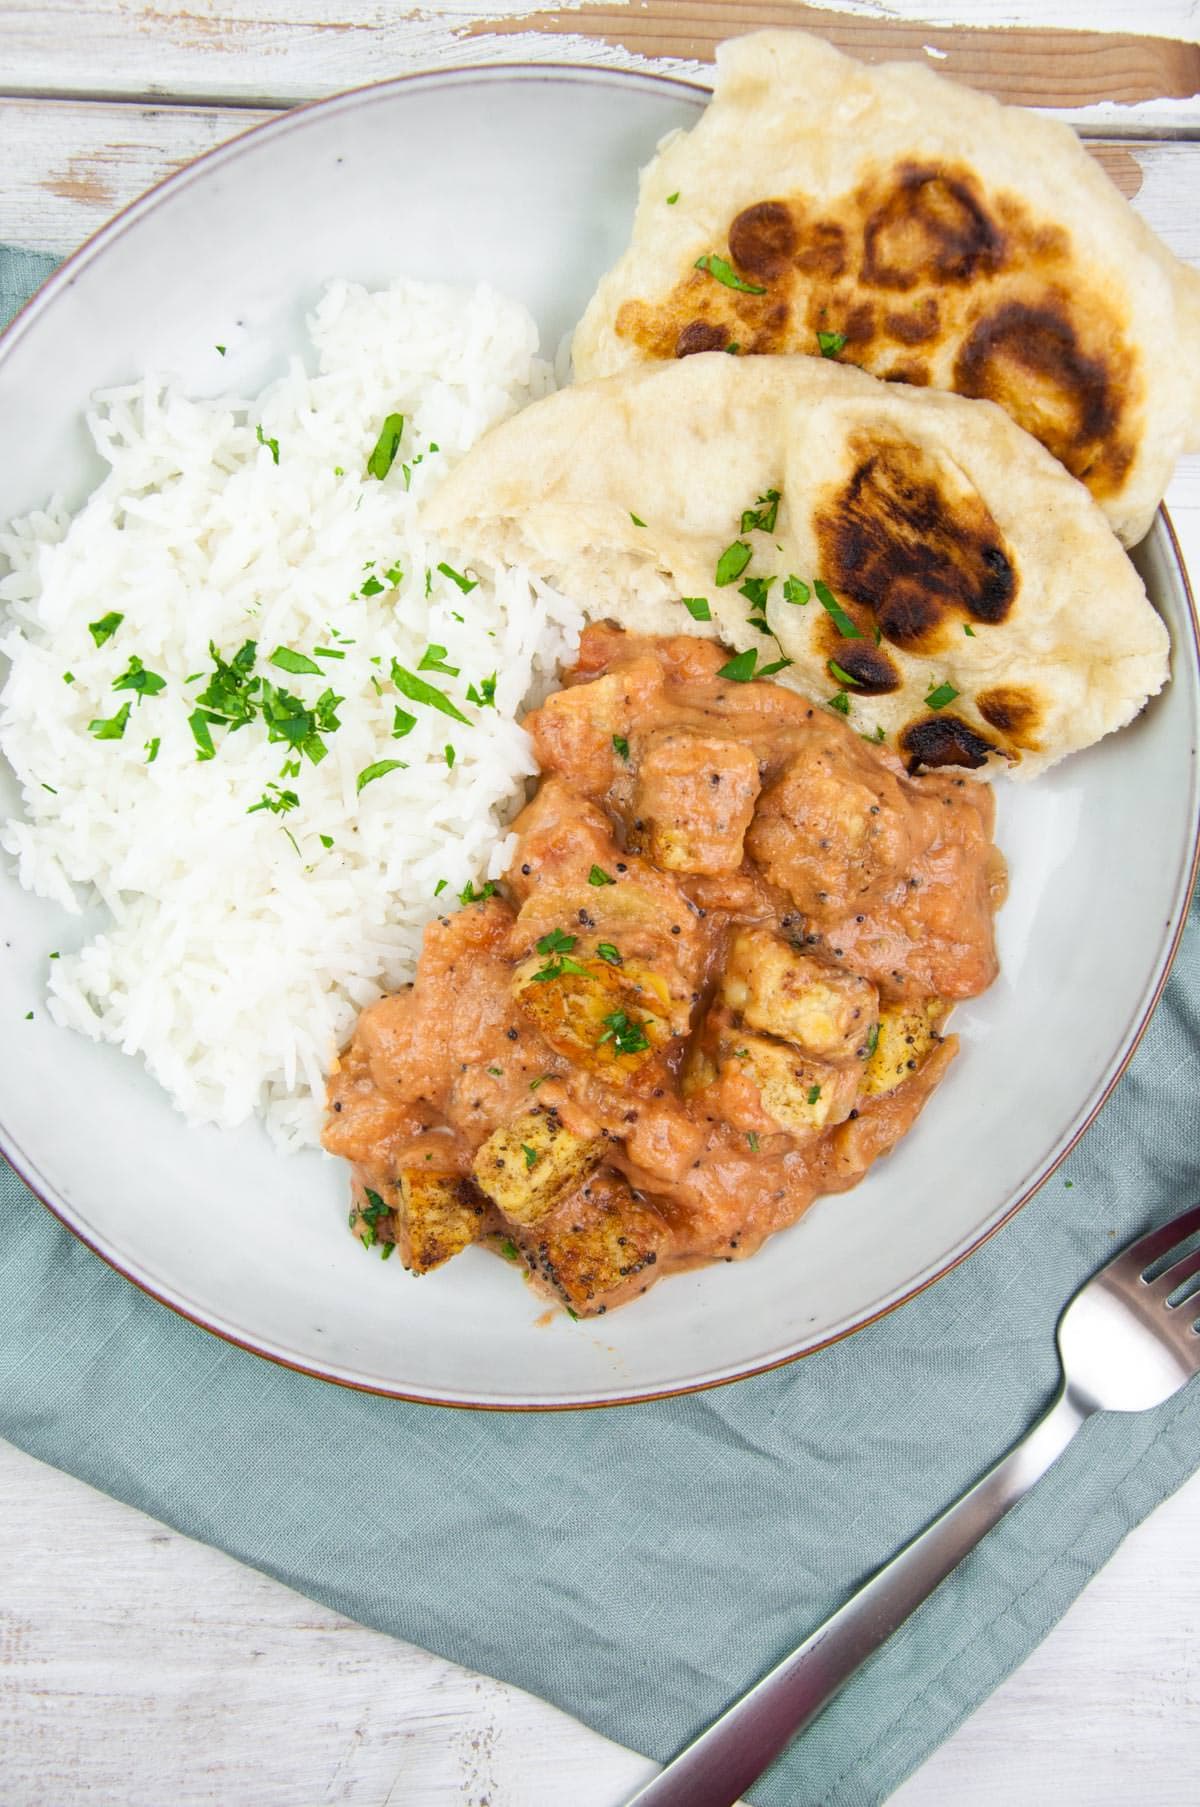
[254,52]
[1034,68]
[138,1668]
[70,165]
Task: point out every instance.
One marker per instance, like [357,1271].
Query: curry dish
[712,985]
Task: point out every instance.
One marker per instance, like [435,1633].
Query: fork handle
[717,1768]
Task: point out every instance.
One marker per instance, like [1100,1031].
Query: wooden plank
[72,164]
[244,51]
[1034,68]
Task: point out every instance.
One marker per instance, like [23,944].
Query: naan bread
[949,241]
[961,562]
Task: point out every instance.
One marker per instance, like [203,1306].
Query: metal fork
[1124,1348]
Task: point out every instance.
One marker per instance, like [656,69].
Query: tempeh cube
[608,1020]
[827,1013]
[696,793]
[801,1095]
[527,1165]
[908,1033]
[436,1216]
[600,1248]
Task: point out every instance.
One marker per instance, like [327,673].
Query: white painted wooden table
[138,1668]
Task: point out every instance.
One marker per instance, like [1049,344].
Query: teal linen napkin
[640,1567]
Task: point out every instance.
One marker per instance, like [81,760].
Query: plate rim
[61,278]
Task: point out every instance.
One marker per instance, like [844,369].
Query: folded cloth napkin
[641,1567]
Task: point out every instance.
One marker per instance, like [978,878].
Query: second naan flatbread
[926,567]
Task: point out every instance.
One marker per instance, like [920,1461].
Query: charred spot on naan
[1029,359]
[701,335]
[1014,712]
[763,240]
[918,325]
[896,541]
[919,259]
[930,226]
[873,669]
[938,740]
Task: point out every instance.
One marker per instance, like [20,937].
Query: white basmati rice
[241,947]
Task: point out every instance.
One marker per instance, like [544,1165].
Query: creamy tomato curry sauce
[711,986]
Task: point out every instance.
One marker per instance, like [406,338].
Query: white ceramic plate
[527,177]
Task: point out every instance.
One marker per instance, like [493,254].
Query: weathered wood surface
[138,1668]
[258,53]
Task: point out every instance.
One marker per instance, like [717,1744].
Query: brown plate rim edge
[44,295]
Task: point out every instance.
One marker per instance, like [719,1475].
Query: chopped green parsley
[469,895]
[752,1139]
[756,590]
[105,628]
[297,664]
[937,699]
[383,456]
[620,746]
[724,272]
[380,769]
[831,344]
[835,611]
[840,702]
[796,591]
[740,668]
[814,1092]
[636,519]
[279,804]
[556,968]
[531,1157]
[434,659]
[763,516]
[152,747]
[627,1036]
[485,696]
[732,563]
[606,951]
[418,691]
[840,673]
[671,199]
[465,584]
[556,942]
[136,677]
[272,445]
[402,723]
[114,727]
[201,733]
[598,876]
